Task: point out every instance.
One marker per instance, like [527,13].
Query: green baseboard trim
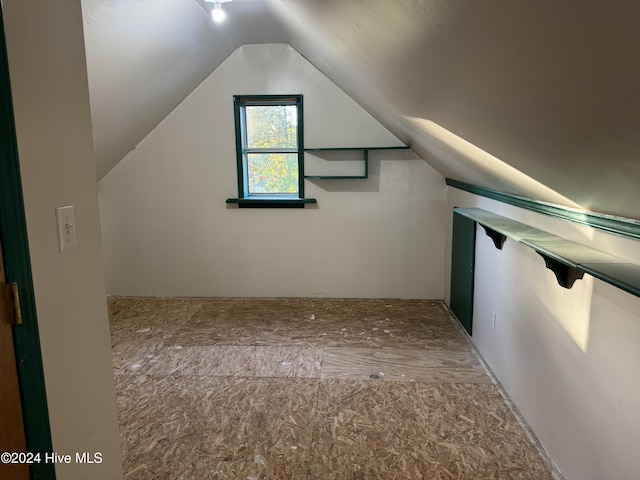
[625,227]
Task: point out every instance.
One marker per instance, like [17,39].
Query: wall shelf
[568,260]
[365,159]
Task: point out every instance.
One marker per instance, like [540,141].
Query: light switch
[66,228]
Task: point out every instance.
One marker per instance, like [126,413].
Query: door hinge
[10,300]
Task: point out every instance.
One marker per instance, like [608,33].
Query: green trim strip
[625,227]
[237,112]
[299,103]
[18,269]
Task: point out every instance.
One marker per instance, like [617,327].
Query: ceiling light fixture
[217,13]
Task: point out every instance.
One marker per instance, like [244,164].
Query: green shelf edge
[320,149]
[336,177]
[622,226]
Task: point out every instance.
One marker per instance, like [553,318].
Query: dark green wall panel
[462,269]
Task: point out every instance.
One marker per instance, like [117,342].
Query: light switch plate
[66,228]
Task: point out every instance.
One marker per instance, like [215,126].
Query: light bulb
[217,13]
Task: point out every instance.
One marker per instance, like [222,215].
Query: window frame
[245,198]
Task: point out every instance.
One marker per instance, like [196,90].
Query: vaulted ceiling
[536,98]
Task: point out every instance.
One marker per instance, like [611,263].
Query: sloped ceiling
[539,99]
[145,56]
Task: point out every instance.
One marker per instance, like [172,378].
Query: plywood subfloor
[308,389]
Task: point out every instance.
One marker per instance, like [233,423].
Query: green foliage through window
[272,126]
[273,173]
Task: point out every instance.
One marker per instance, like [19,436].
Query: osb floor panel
[308,389]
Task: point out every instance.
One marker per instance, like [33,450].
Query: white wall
[51,104]
[168,232]
[568,358]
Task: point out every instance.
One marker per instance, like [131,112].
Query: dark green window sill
[271,202]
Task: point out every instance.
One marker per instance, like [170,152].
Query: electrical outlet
[66,228]
[493,320]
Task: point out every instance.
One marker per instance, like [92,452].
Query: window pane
[272,173]
[272,126]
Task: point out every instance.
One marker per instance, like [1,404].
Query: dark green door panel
[462,269]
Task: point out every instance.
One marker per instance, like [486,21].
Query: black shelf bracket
[565,274]
[497,237]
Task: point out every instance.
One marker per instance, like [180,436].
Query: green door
[463,253]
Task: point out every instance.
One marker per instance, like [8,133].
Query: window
[269,146]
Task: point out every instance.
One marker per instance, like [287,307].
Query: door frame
[11,418]
[15,247]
